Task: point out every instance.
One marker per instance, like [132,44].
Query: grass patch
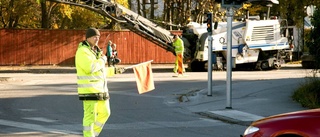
[308,94]
[294,62]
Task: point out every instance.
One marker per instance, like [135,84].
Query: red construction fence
[58,47]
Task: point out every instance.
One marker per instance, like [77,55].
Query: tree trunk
[11,17]
[171,15]
[139,7]
[44,15]
[165,11]
[188,11]
[129,3]
[152,9]
[181,11]
[144,14]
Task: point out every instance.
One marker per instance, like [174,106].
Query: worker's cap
[92,32]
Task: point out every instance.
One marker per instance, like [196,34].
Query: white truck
[256,44]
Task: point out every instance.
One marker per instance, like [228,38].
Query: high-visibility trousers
[110,71]
[96,114]
[178,66]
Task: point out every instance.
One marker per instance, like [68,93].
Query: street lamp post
[229,57]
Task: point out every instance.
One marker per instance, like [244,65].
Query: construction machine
[257,44]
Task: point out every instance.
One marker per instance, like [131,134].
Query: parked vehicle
[303,123]
[256,44]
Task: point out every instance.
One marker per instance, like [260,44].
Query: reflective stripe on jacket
[91,71]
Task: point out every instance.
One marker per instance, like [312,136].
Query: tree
[115,25]
[49,15]
[82,19]
[46,12]
[313,42]
[181,12]
[145,8]
[18,14]
[202,7]
[63,16]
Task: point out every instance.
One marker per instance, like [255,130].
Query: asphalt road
[45,103]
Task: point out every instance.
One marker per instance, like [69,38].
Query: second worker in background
[179,49]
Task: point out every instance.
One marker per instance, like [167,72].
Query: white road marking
[75,129]
[42,119]
[27,110]
[35,127]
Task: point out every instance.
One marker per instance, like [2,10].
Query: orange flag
[144,77]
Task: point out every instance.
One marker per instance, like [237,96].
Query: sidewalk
[250,101]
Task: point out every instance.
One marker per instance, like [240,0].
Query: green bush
[308,94]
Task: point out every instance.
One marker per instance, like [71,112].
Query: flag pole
[137,64]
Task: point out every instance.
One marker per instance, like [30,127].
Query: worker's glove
[100,54]
[99,51]
[97,48]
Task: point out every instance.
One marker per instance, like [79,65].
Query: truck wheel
[214,67]
[265,65]
[277,66]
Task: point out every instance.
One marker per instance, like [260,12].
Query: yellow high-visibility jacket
[91,71]
[178,46]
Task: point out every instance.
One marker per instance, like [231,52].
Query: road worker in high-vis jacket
[92,84]
[179,49]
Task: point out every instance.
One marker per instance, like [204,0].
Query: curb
[232,116]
